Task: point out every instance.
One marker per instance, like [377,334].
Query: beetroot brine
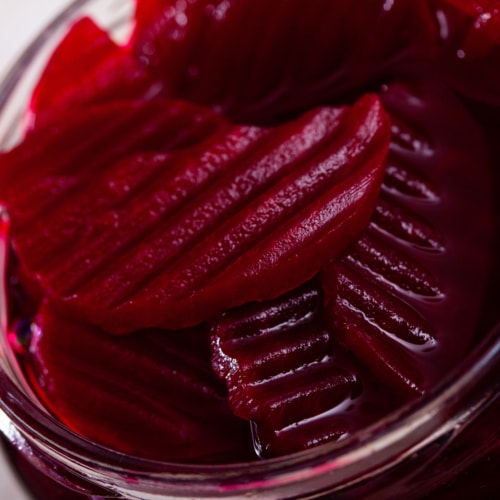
[253,229]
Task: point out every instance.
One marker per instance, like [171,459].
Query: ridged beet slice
[309,433]
[261,227]
[83,48]
[234,56]
[286,373]
[89,67]
[377,327]
[190,199]
[276,359]
[406,298]
[237,335]
[133,194]
[151,394]
[150,208]
[73,144]
[49,182]
[303,393]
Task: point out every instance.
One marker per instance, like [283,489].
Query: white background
[20,21]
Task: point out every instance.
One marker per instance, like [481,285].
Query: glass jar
[446,445]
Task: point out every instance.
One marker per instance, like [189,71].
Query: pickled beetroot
[149,395]
[101,71]
[234,56]
[84,143]
[285,371]
[337,283]
[406,297]
[208,226]
[276,232]
[394,301]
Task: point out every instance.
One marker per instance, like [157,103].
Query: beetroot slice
[83,48]
[116,78]
[406,298]
[234,56]
[227,224]
[286,374]
[471,47]
[45,180]
[88,67]
[84,143]
[150,394]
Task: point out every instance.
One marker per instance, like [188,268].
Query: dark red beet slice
[377,327]
[227,224]
[470,31]
[250,344]
[89,67]
[400,300]
[150,394]
[406,298]
[74,144]
[58,162]
[284,372]
[83,48]
[234,56]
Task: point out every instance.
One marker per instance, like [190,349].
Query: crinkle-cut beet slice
[74,144]
[373,402]
[406,298]
[263,226]
[83,48]
[120,206]
[249,343]
[407,226]
[378,327]
[279,366]
[271,442]
[151,394]
[262,62]
[286,374]
[152,187]
[372,253]
[119,77]
[179,183]
[88,67]
[302,393]
[471,47]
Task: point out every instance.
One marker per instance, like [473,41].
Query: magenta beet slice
[245,216]
[286,373]
[150,394]
[234,56]
[88,67]
[406,298]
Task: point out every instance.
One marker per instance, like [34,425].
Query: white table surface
[20,21]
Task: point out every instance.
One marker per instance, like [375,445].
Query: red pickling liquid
[357,320]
